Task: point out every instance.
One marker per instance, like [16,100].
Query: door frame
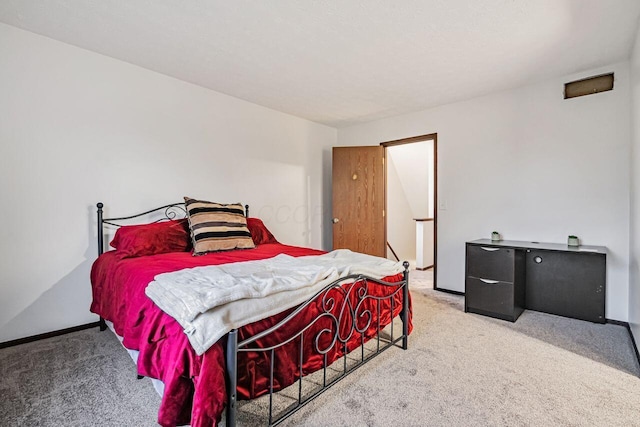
[420,138]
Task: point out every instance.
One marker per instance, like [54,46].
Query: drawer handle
[490,282]
[489,249]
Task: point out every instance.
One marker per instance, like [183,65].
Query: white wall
[77,128]
[409,196]
[413,166]
[531,165]
[634,264]
[401,229]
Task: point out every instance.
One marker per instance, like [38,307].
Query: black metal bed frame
[343,306]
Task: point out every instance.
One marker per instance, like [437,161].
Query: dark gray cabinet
[495,281]
[503,278]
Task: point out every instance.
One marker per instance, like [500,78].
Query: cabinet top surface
[540,245]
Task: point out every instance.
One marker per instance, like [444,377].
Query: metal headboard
[171,211]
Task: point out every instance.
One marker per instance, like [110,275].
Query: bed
[300,351]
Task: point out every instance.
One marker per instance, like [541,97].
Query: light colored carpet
[84,378]
[460,369]
[465,370]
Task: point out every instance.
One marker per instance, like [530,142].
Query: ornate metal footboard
[343,305]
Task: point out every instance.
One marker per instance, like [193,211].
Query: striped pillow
[215,227]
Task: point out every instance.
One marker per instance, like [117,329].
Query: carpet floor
[460,369]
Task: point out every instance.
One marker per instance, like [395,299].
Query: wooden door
[358,199]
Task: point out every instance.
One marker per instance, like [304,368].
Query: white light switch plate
[442,205]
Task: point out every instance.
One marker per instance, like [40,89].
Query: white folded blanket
[210,301]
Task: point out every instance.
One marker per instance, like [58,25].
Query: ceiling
[344,62]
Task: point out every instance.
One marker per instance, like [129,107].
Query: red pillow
[259,233]
[150,239]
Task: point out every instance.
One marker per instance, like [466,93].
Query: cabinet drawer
[489,297]
[490,262]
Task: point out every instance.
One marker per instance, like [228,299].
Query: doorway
[411,202]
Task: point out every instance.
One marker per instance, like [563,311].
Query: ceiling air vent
[588,86]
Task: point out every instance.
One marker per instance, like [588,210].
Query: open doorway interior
[410,206]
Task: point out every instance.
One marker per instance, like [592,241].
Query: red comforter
[195,388]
